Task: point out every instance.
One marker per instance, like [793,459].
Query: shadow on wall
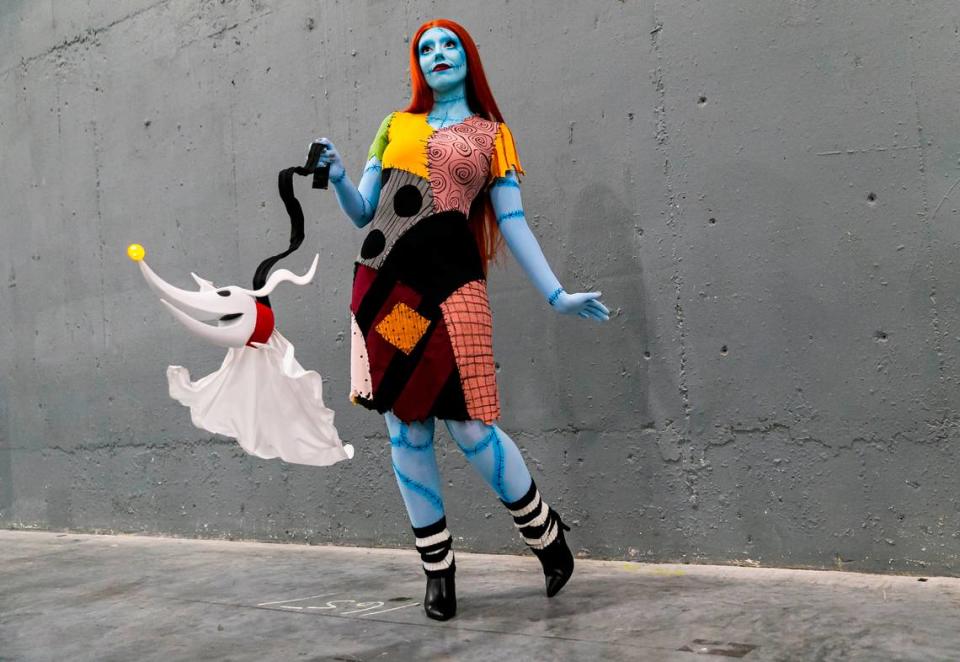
[602,252]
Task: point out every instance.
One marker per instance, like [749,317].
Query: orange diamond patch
[403,327]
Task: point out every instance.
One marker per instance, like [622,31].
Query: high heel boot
[542,530]
[440,599]
[556,559]
[435,546]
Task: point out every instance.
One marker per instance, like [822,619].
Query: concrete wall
[766,193]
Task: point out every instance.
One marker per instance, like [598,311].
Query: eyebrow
[445,35]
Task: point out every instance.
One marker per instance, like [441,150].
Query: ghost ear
[284,276]
[204,284]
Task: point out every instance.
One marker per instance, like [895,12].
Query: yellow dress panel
[407,144]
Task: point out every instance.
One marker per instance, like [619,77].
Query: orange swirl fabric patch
[459,162]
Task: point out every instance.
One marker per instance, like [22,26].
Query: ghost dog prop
[261,396]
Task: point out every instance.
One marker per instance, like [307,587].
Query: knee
[416,435]
[471,436]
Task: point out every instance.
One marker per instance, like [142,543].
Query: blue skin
[491,452]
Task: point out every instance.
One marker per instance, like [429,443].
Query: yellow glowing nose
[135,252]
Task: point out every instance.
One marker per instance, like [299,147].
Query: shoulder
[382,138]
[504,133]
[505,157]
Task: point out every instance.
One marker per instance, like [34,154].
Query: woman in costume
[439,190]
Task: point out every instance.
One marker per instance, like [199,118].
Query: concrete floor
[84,597]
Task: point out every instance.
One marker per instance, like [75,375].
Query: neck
[450,96]
[449,107]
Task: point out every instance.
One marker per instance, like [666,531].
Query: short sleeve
[505,156]
[381,139]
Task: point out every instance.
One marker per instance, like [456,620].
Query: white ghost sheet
[262,397]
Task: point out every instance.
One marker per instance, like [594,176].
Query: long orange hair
[483,222]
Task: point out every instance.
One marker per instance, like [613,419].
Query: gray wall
[766,193]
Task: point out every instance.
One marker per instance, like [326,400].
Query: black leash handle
[321,173]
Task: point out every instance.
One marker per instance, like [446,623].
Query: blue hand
[358,202]
[330,157]
[585,304]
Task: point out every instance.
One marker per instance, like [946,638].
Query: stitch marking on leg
[419,488]
[480,447]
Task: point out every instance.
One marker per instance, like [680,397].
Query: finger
[596,312]
[584,314]
[600,311]
[599,307]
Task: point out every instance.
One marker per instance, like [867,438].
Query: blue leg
[495,457]
[415,466]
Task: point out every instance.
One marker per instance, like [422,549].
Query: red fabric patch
[361,283]
[379,351]
[263,328]
[428,378]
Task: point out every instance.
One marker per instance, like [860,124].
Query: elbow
[361,220]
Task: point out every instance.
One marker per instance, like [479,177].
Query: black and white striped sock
[435,545]
[534,518]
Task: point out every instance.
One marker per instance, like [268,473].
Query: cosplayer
[260,395]
[440,188]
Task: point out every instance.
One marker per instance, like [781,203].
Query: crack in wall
[673,214]
[87,35]
[938,333]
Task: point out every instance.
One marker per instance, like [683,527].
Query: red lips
[441,67]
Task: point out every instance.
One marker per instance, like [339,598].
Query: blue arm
[508,206]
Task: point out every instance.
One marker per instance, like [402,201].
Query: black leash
[294,210]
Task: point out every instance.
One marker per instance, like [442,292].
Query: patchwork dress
[422,333]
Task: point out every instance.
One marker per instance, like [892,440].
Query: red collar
[263,329]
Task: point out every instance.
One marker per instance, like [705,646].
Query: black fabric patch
[450,404]
[407,201]
[435,257]
[373,301]
[385,176]
[373,245]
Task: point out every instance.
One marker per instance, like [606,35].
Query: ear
[204,284]
[283,276]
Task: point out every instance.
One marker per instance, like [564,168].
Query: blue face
[442,59]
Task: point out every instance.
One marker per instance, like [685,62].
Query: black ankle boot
[542,530]
[435,543]
[556,559]
[440,599]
